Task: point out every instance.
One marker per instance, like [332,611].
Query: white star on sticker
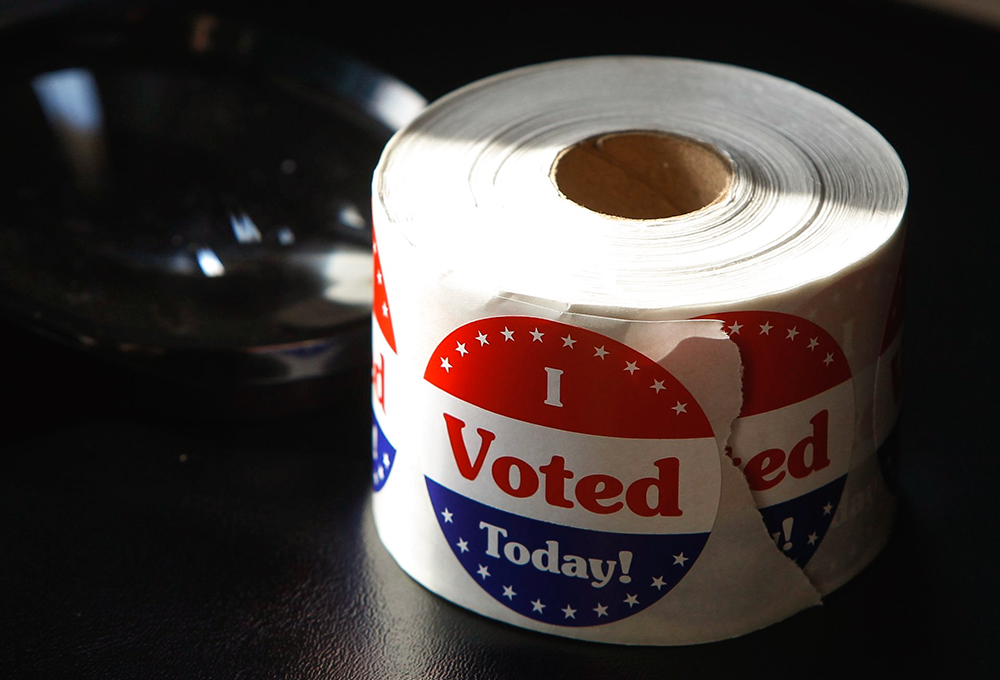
[601,352]
[378,277]
[536,335]
[657,385]
[792,333]
[461,349]
[812,538]
[680,559]
[482,339]
[508,592]
[680,408]
[601,610]
[446,365]
[765,329]
[568,341]
[483,571]
[447,516]
[813,343]
[385,309]
[735,328]
[657,583]
[828,508]
[829,358]
[569,612]
[630,600]
[462,544]
[507,334]
[385,459]
[631,367]
[537,606]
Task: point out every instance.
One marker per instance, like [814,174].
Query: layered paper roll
[632,351]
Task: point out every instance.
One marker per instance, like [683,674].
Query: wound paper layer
[635,430]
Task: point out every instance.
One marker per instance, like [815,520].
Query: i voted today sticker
[574,479]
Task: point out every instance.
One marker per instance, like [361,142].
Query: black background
[140,538]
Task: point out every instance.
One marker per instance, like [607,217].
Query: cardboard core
[642,175]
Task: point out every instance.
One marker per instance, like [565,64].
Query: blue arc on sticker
[383,455]
[799,525]
[557,574]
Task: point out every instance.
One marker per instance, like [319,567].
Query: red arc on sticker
[786,359]
[380,304]
[564,377]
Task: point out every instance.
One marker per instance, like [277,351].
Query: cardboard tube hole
[642,174]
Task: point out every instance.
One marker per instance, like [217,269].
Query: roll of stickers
[635,347]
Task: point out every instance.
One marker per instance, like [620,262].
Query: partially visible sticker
[798,524]
[575,479]
[794,436]
[383,455]
[380,305]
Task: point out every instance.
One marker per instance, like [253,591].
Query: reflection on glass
[244,229]
[210,263]
[179,180]
[69,98]
[348,273]
[201,32]
[352,217]
[72,105]
[396,103]
[286,236]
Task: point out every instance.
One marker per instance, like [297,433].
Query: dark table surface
[141,536]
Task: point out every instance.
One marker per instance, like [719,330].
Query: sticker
[795,433]
[575,479]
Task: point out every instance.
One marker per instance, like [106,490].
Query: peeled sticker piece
[577,501]
[793,439]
